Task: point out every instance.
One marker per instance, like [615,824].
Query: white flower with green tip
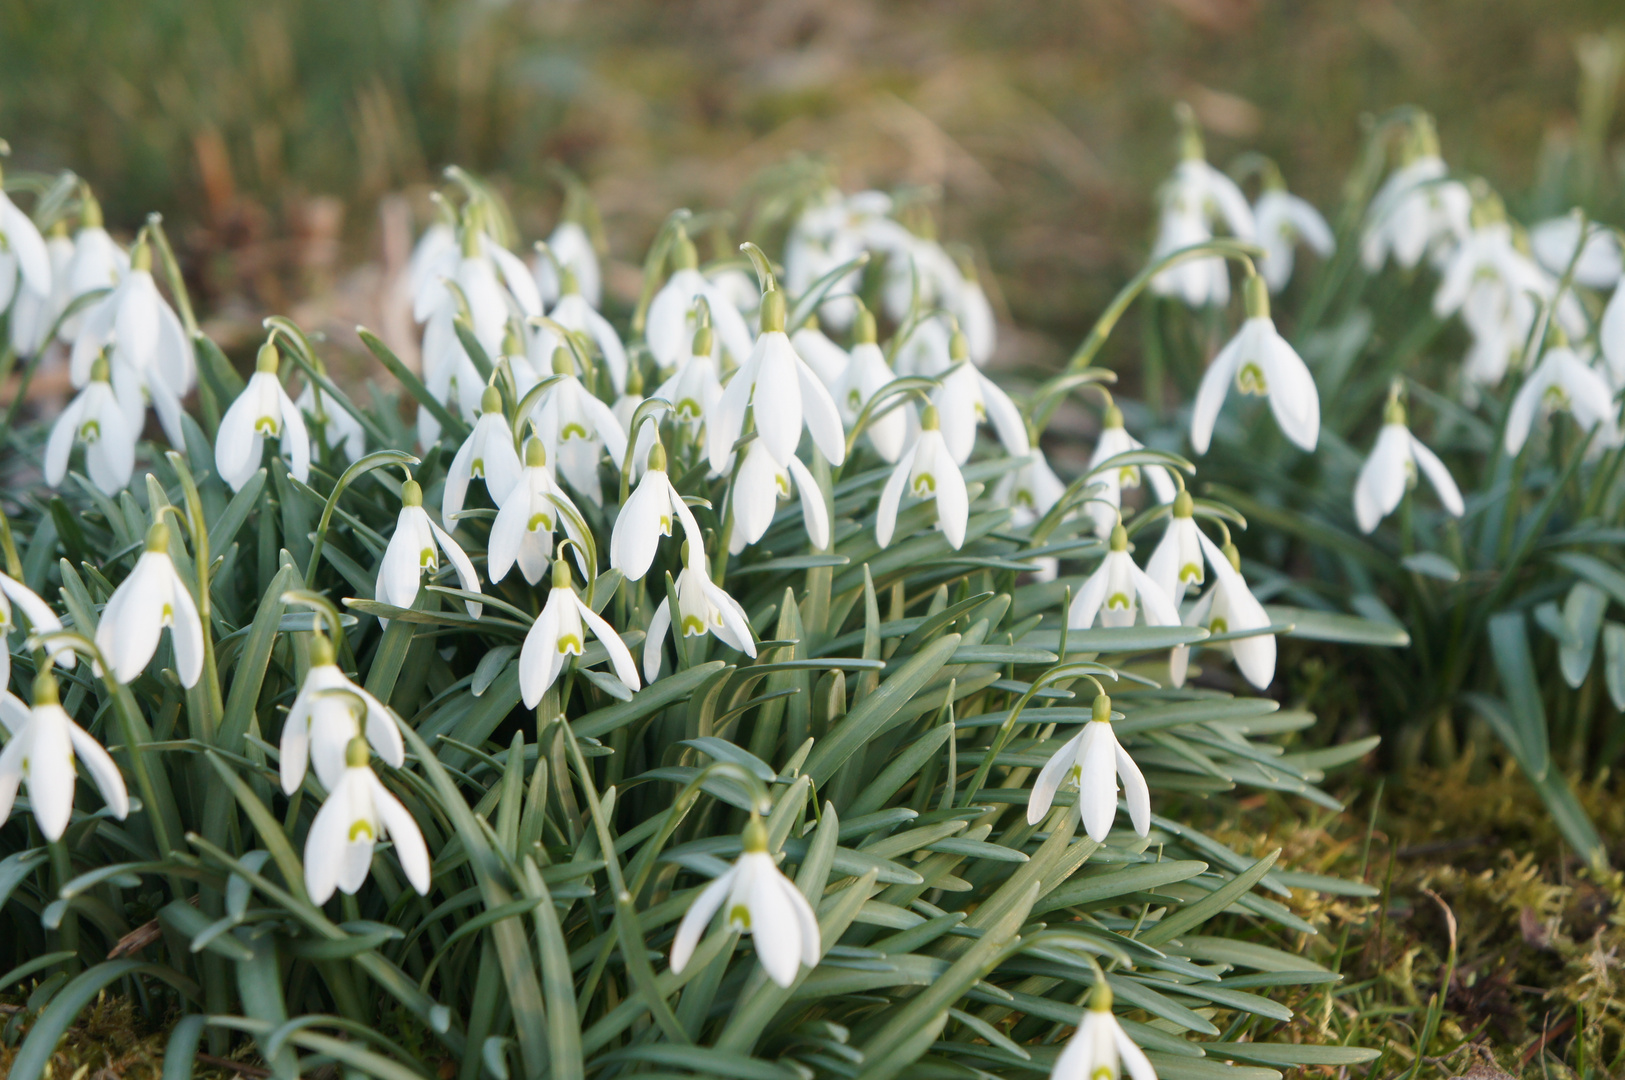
[44,744]
[560,631]
[327,714]
[415,550]
[1229,607]
[106,424]
[151,598]
[1392,469]
[358,814]
[1118,590]
[703,607]
[487,454]
[531,513]
[578,429]
[1259,361]
[926,472]
[1095,761]
[262,411]
[757,488]
[1100,1049]
[646,516]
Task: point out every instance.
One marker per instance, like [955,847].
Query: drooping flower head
[262,411]
[45,743]
[703,607]
[487,454]
[1284,221]
[927,472]
[1094,760]
[328,713]
[1391,470]
[151,598]
[358,814]
[558,633]
[529,515]
[1193,201]
[415,550]
[1100,1049]
[1259,361]
[106,424]
[1118,590]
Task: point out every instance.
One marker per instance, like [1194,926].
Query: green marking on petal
[426,558]
[569,643]
[1118,601]
[539,521]
[573,431]
[362,828]
[266,425]
[477,468]
[1250,379]
[739,917]
[924,485]
[693,626]
[90,431]
[1191,571]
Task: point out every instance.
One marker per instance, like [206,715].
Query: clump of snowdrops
[726,687]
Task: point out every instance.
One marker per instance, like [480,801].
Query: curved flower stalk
[1563,382]
[24,260]
[1599,266]
[1105,505]
[828,360]
[1100,1049]
[1418,210]
[757,899]
[262,411]
[1196,198]
[141,333]
[926,471]
[674,316]
[558,632]
[15,597]
[487,454]
[785,392]
[758,486]
[151,598]
[1117,590]
[327,714]
[703,607]
[45,743]
[1391,470]
[570,246]
[577,429]
[646,516]
[574,313]
[358,814]
[97,263]
[528,516]
[1229,607]
[106,424]
[1094,760]
[1259,361]
[1284,221]
[414,549]
[33,313]
[865,375]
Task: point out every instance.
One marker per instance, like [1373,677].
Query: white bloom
[435,248]
[1105,505]
[914,264]
[415,548]
[1176,563]
[23,258]
[646,516]
[1194,200]
[756,899]
[574,313]
[1117,589]
[1284,221]
[674,315]
[578,429]
[571,247]
[1100,1048]
[829,233]
[1229,607]
[44,744]
[360,812]
[1563,381]
[1031,491]
[335,426]
[1391,470]
[1611,335]
[527,518]
[926,471]
[262,411]
[1600,265]
[694,389]
[41,620]
[757,488]
[1094,760]
[828,360]
[33,312]
[1259,361]
[558,632]
[974,311]
[866,374]
[151,598]
[97,263]
[328,713]
[106,424]
[785,393]
[1416,210]
[965,397]
[487,454]
[702,607]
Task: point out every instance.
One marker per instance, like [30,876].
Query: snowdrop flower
[570,246]
[1601,263]
[435,250]
[625,411]
[415,548]
[360,812]
[927,471]
[578,429]
[1106,504]
[45,742]
[1259,361]
[1194,200]
[97,263]
[1100,1048]
[673,313]
[1031,490]
[866,374]
[557,633]
[694,389]
[527,518]
[15,596]
[828,360]
[756,899]
[574,313]
[916,268]
[646,516]
[1117,589]
[23,256]
[1094,760]
[262,411]
[487,454]
[1176,563]
[1229,607]
[1611,334]
[33,312]
[966,397]
[974,313]
[828,234]
[107,425]
[1391,470]
[334,425]
[785,392]
[1417,209]
[702,607]
[1562,382]
[145,337]
[757,488]
[1284,221]
[328,713]
[151,598]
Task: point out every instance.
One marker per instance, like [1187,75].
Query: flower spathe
[1117,590]
[360,812]
[529,515]
[151,598]
[327,714]
[926,472]
[703,607]
[1100,1049]
[262,411]
[487,454]
[45,743]
[1563,382]
[757,899]
[1259,361]
[1095,761]
[415,548]
[558,632]
[1392,469]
